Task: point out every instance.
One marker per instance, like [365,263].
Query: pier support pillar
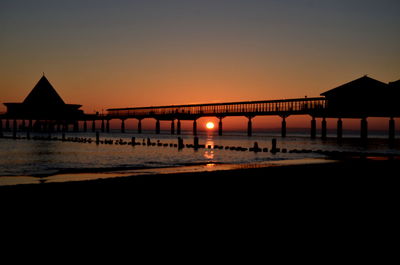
[194,127]
[44,126]
[15,129]
[283,129]
[102,125]
[339,129]
[178,127]
[84,126]
[172,127]
[220,127]
[23,125]
[391,129]
[122,126]
[108,126]
[323,128]
[364,129]
[76,126]
[313,128]
[158,127]
[7,124]
[93,126]
[139,126]
[249,127]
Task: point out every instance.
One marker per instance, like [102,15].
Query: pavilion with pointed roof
[43,103]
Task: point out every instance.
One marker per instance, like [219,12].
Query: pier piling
[122,126]
[157,126]
[194,127]
[283,129]
[323,129]
[313,128]
[339,129]
[139,126]
[178,127]
[220,127]
[249,127]
[364,129]
[172,127]
[391,129]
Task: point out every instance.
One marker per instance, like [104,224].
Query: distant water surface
[23,157]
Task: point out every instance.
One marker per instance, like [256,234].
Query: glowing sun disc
[210,125]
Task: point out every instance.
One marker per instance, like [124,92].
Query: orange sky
[141,53]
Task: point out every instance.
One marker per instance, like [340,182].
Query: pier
[44,110]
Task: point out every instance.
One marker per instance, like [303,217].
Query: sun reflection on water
[208,152]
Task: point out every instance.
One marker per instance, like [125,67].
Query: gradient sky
[120,53]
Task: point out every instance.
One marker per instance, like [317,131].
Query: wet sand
[342,178]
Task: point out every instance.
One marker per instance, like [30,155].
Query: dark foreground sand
[350,201]
[314,212]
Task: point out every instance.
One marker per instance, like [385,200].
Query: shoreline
[94,174]
[322,170]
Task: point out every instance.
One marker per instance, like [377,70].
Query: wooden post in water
[196,142]
[180,143]
[84,126]
[93,126]
[102,125]
[273,146]
[97,137]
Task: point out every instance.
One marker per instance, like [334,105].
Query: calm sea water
[23,157]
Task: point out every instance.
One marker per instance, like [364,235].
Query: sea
[47,158]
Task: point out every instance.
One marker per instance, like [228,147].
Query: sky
[120,53]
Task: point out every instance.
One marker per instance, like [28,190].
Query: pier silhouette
[360,99]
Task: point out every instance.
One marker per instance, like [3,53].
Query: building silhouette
[43,103]
[363,97]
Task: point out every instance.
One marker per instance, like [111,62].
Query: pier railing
[245,108]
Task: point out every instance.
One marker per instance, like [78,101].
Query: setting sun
[210,125]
